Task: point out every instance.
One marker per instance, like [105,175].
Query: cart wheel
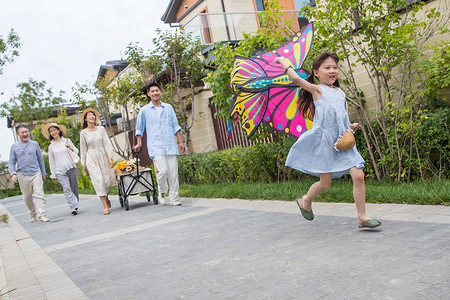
[147,194]
[155,199]
[127,205]
[121,201]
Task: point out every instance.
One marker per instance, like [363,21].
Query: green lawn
[421,192]
[431,192]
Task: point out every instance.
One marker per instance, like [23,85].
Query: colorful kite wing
[262,92]
[282,114]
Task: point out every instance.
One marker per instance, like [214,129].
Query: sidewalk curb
[26,267]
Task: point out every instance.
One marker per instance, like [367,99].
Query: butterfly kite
[263,93]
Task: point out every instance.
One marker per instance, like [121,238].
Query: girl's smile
[327,72]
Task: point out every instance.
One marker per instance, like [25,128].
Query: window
[299,5]
[259,5]
[206,28]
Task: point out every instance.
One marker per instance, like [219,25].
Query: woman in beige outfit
[96,155]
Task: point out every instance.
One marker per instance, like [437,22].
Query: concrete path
[223,249]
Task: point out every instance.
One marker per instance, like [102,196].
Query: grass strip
[428,192]
[431,192]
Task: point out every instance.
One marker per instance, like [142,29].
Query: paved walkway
[224,249]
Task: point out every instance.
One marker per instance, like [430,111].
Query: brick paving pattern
[224,249]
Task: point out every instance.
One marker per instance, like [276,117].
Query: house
[224,22]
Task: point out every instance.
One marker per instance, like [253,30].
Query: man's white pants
[166,167]
[29,184]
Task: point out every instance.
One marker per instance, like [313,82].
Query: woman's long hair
[85,124]
[59,132]
[306,101]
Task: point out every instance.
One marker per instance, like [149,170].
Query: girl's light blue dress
[312,152]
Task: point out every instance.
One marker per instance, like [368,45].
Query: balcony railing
[223,27]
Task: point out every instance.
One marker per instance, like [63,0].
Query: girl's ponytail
[306,103]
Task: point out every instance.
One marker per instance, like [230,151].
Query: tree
[120,91]
[34,102]
[385,39]
[177,57]
[9,48]
[73,130]
[101,96]
[273,32]
[147,65]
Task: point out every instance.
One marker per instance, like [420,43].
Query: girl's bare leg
[359,193]
[320,186]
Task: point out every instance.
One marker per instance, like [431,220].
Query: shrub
[4,218]
[428,156]
[258,163]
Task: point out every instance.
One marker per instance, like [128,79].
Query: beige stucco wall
[203,138]
[121,140]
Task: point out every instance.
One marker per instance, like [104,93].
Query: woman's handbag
[75,158]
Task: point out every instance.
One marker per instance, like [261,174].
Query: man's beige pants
[167,175]
[28,184]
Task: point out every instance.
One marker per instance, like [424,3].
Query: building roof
[117,65]
[170,16]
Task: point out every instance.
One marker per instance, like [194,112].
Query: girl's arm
[314,89]
[354,126]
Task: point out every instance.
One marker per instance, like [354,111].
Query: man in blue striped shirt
[160,121]
[29,172]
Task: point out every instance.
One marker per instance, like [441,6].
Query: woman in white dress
[96,155]
[61,164]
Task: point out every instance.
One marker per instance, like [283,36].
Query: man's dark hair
[20,126]
[151,84]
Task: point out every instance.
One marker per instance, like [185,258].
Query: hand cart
[134,183]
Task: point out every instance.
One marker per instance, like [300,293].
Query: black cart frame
[137,178]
